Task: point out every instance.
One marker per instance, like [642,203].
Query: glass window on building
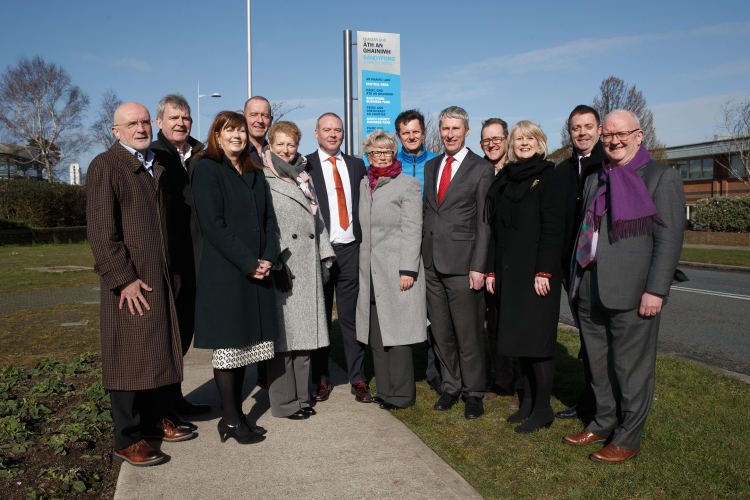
[695,169]
[708,168]
[737,167]
[682,167]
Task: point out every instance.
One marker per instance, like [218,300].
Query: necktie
[445,179]
[585,248]
[340,196]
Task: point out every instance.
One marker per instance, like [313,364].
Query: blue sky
[513,60]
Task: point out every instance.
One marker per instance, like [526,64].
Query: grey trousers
[622,355]
[288,373]
[456,315]
[394,367]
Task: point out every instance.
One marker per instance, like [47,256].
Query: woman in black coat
[526,211]
[235,307]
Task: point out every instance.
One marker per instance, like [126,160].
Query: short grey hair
[258,98]
[454,112]
[380,139]
[632,115]
[176,100]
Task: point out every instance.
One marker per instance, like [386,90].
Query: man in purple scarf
[625,256]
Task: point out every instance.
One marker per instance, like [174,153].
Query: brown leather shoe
[582,438]
[611,454]
[167,431]
[139,454]
[361,392]
[322,391]
[493,392]
[515,402]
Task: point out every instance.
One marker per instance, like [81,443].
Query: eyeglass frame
[380,154]
[134,124]
[622,139]
[486,142]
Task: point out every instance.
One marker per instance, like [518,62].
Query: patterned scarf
[374,173]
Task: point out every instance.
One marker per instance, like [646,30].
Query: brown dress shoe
[322,391]
[582,438]
[361,392]
[611,454]
[139,454]
[515,402]
[493,392]
[167,431]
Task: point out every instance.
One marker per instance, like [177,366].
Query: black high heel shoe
[240,432]
[253,427]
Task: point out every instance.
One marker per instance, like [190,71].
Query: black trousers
[394,367]
[136,412]
[344,283]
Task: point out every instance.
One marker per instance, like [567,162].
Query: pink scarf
[374,173]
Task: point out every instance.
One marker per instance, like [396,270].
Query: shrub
[42,204]
[720,213]
[12,224]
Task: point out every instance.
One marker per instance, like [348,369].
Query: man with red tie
[336,178]
[455,241]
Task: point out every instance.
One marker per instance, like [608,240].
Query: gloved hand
[324,272]
[282,278]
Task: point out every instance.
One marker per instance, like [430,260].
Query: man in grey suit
[455,240]
[626,254]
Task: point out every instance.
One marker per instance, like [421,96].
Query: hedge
[721,213]
[42,204]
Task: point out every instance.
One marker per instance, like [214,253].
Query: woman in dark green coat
[235,307]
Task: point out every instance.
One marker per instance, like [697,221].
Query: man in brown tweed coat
[127,213]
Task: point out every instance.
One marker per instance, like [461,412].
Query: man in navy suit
[337,177]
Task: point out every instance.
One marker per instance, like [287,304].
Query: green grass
[725,257]
[14,259]
[694,443]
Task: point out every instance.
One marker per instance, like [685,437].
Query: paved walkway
[11,303]
[348,450]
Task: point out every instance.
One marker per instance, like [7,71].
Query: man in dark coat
[173,148]
[584,126]
[337,178]
[127,213]
[455,241]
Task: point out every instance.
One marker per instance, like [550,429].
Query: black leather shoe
[378,400]
[185,407]
[474,407]
[253,427]
[299,415]
[445,402]
[238,431]
[571,412]
[309,410]
[180,422]
[436,385]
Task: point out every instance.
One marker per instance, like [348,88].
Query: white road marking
[706,292]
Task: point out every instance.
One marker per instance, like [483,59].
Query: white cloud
[727,69]
[124,62]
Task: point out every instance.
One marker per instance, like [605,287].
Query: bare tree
[101,129]
[281,108]
[734,127]
[41,110]
[432,141]
[615,94]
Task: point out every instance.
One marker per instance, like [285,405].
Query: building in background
[15,163]
[703,175]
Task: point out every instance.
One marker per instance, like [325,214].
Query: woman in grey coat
[391,307]
[305,255]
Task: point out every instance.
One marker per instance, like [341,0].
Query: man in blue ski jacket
[410,130]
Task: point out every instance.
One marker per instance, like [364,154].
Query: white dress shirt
[185,155]
[147,162]
[580,165]
[337,233]
[454,167]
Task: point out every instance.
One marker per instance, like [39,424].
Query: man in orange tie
[336,177]
[455,241]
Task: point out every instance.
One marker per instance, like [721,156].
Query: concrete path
[348,450]
[11,303]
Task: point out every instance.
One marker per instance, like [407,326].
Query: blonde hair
[287,128]
[380,139]
[526,129]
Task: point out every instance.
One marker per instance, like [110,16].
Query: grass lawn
[725,257]
[14,278]
[694,444]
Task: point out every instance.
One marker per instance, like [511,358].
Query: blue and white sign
[379,69]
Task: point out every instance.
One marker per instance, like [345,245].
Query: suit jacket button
[294,236]
[312,236]
[430,233]
[505,268]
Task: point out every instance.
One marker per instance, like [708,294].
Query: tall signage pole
[379,81]
[348,121]
[249,57]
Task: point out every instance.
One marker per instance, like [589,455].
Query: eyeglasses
[134,124]
[494,140]
[380,154]
[623,136]
[253,116]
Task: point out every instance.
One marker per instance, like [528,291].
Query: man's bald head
[132,126]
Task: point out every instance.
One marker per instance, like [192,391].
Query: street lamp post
[249,57]
[199,106]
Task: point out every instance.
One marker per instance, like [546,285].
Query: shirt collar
[147,161]
[460,155]
[324,156]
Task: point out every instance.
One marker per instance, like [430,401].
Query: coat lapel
[286,189]
[132,163]
[316,173]
[431,186]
